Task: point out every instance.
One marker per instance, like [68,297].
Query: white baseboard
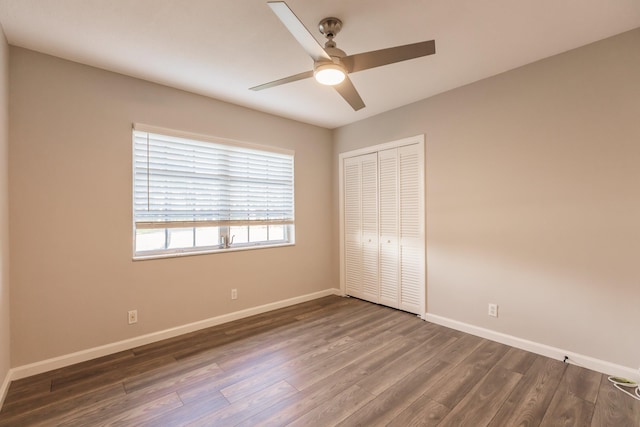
[588,362]
[104,350]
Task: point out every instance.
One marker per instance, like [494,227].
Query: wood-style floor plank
[308,376]
[187,413]
[331,361]
[528,403]
[582,383]
[137,414]
[568,410]
[366,364]
[335,409]
[517,360]
[423,412]
[460,349]
[247,386]
[573,403]
[392,371]
[484,400]
[458,382]
[396,398]
[612,409]
[41,414]
[237,412]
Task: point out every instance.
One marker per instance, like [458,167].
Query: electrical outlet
[133,316]
[234,294]
[493,310]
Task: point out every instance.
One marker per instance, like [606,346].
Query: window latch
[227,242]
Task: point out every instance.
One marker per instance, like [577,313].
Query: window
[198,194]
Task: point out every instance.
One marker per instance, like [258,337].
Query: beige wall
[533,198]
[72,276]
[5,335]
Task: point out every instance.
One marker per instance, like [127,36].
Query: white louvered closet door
[383,228]
[411,207]
[361,226]
[389,243]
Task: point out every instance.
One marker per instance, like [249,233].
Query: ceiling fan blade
[299,31]
[279,82]
[376,58]
[348,91]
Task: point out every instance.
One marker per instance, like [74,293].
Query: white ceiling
[220,48]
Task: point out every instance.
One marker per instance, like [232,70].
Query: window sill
[187,252]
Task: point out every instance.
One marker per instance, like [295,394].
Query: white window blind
[182,182]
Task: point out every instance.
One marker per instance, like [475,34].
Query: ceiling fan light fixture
[329,74]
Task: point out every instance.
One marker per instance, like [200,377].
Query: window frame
[223,228]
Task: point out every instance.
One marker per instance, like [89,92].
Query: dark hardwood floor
[332,361]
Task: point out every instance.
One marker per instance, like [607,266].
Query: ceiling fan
[331,65]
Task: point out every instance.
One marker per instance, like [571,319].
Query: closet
[382,224]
